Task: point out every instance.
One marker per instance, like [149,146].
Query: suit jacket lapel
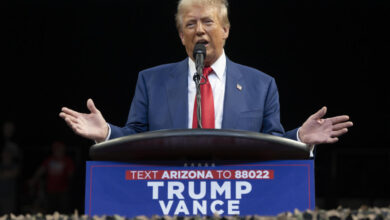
[234,97]
[177,90]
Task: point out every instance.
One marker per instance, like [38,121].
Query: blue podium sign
[253,188]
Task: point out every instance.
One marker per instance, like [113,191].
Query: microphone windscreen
[199,49]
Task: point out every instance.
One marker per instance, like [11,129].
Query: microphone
[199,55]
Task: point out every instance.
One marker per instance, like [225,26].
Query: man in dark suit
[242,97]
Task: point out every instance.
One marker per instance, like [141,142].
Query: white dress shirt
[217,80]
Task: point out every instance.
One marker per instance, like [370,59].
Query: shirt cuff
[311,147]
[108,135]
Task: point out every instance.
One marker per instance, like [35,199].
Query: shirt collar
[218,66]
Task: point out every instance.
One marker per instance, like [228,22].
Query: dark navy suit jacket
[161,101]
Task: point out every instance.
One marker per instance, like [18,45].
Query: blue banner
[256,188]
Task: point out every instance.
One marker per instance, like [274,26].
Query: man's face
[202,25]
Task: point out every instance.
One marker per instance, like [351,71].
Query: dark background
[323,52]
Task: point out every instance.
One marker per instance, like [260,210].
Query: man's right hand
[91,126]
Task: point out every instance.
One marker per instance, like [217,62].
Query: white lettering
[184,176]
[219,174]
[227,174]
[175,188]
[133,173]
[213,207]
[209,175]
[155,186]
[147,174]
[191,190]
[220,189]
[233,207]
[165,175]
[202,208]
[165,208]
[181,207]
[173,174]
[200,174]
[242,187]
[192,174]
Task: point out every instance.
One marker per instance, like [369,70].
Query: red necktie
[207,101]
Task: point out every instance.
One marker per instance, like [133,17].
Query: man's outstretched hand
[318,130]
[91,126]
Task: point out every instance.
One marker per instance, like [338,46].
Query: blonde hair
[221,5]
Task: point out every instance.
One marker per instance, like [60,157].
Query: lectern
[201,172]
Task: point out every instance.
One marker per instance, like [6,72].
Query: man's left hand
[319,130]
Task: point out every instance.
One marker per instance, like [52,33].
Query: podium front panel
[199,189]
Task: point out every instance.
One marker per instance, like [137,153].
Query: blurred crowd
[41,180]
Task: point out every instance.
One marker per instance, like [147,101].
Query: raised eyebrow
[194,20]
[207,18]
[190,21]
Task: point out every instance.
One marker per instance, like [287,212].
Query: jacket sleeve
[271,121]
[137,120]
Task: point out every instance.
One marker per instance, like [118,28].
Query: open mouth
[204,42]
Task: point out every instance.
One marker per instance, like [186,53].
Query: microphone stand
[199,74]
